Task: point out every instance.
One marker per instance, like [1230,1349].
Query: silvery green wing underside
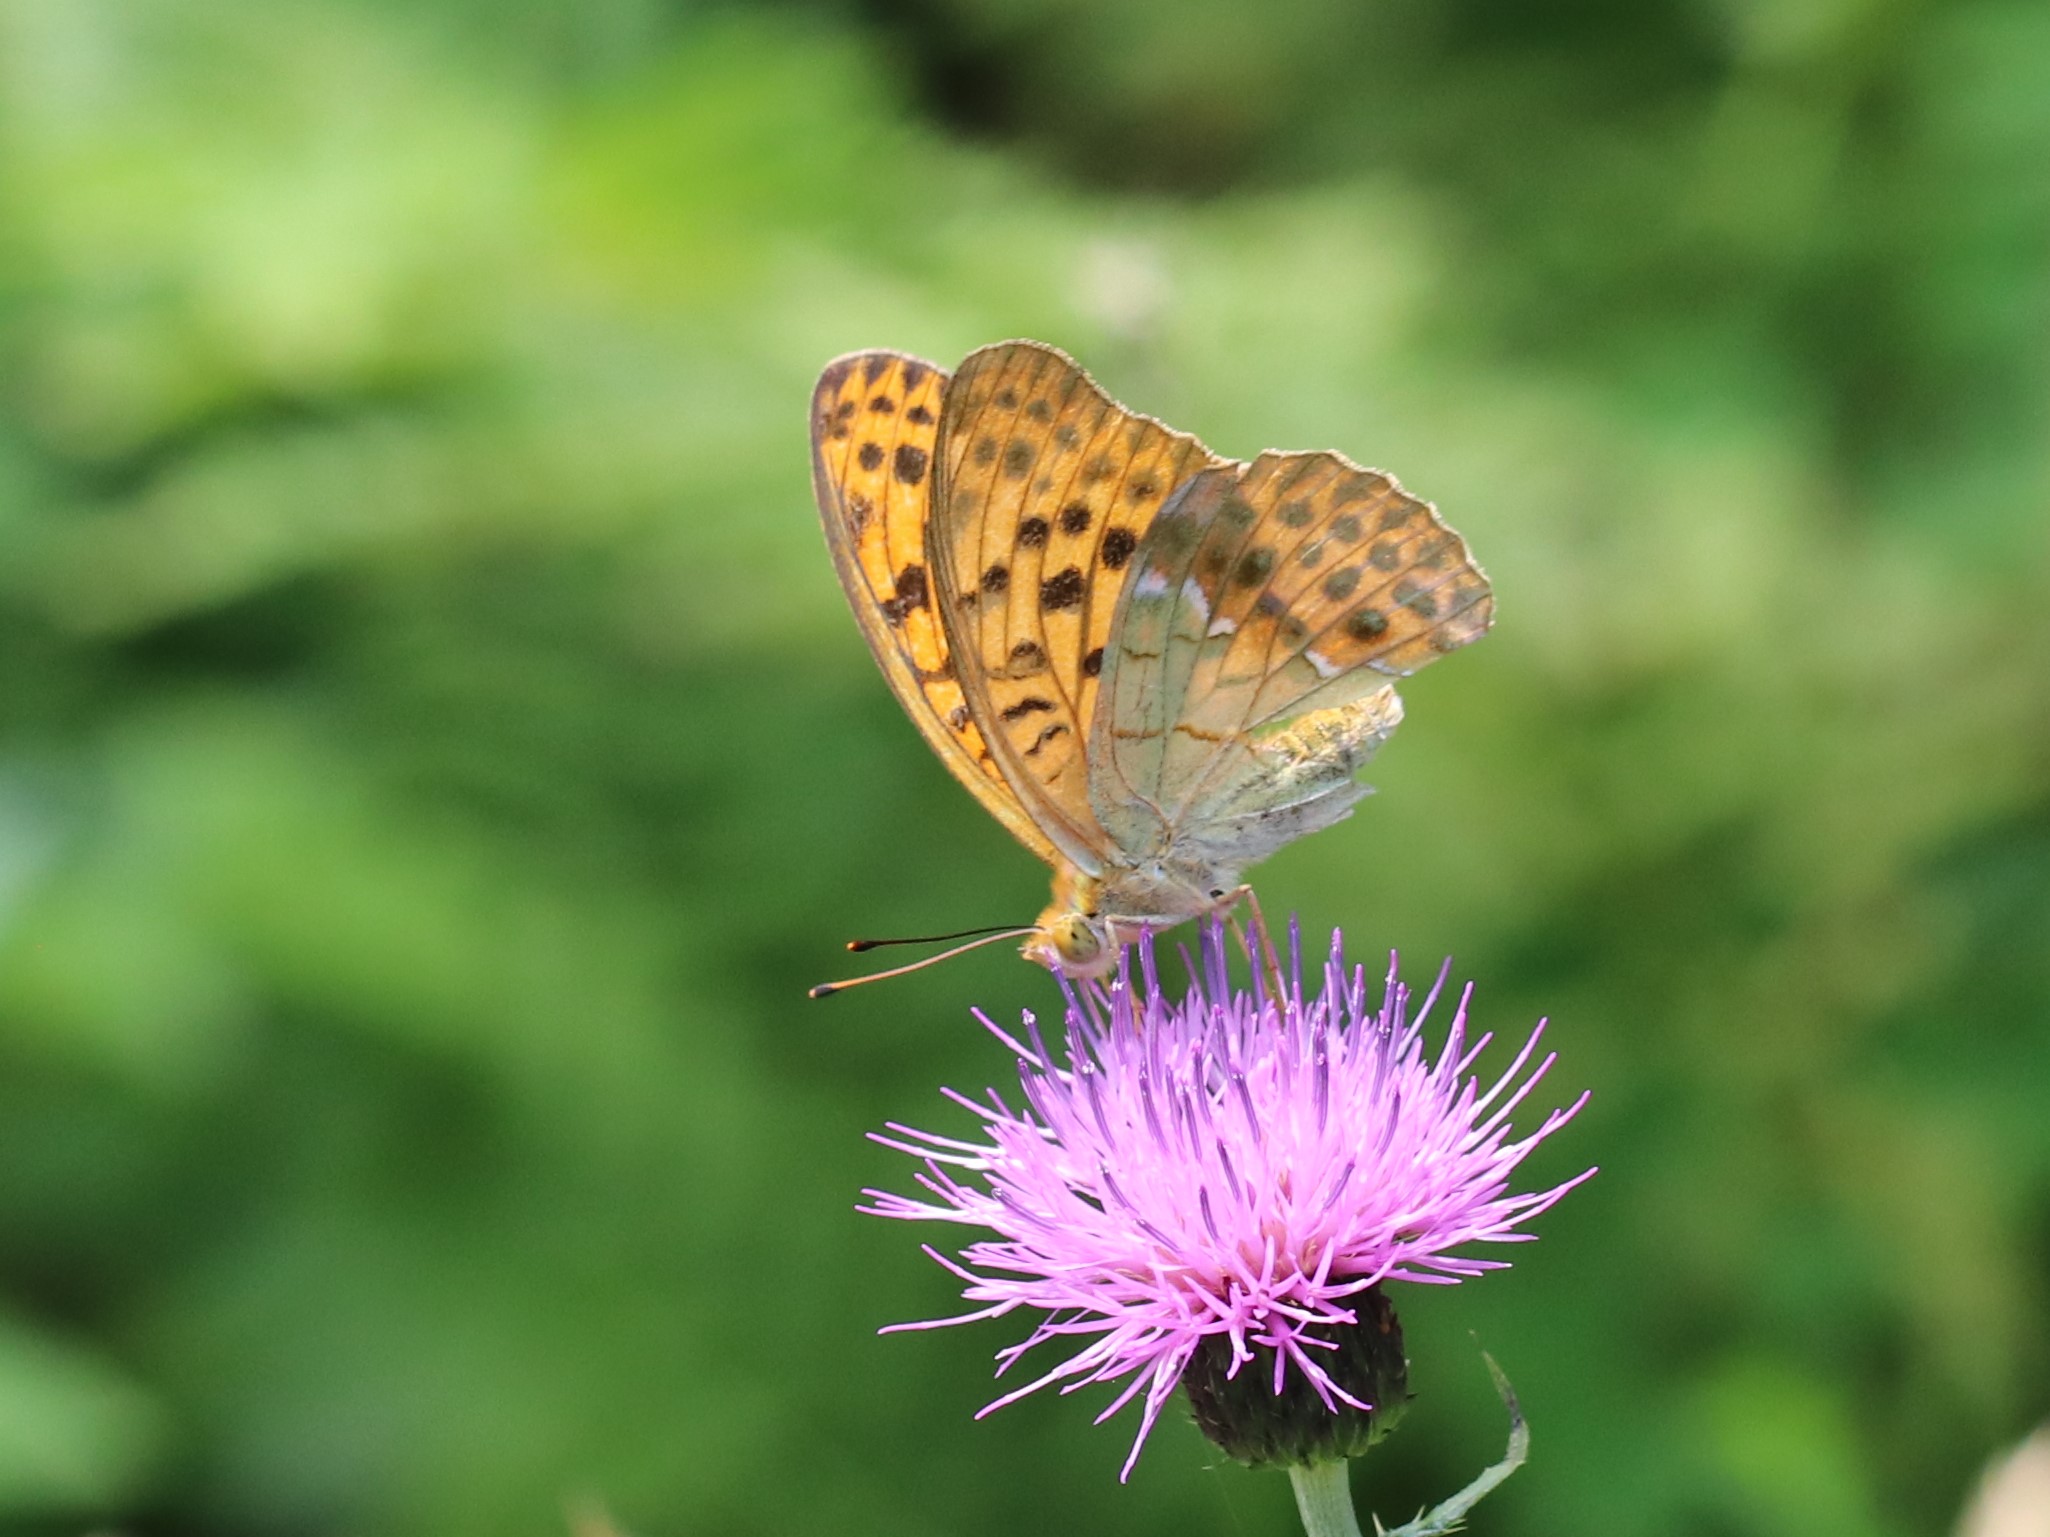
[1270,608]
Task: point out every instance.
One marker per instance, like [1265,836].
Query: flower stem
[1323,1494]
[1323,1491]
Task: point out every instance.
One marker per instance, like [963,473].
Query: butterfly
[1154,665]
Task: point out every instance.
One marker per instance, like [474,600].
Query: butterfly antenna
[858,945]
[827,989]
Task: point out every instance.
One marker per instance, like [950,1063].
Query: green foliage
[433,756]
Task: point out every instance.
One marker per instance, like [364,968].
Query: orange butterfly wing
[875,423]
[1047,486]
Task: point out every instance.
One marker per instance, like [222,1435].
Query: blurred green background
[434,754]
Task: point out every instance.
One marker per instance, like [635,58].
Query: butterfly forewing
[1047,489]
[874,434]
[1269,609]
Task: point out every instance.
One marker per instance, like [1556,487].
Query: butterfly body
[1155,666]
[1093,917]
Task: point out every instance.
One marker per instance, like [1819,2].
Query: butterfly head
[1072,936]
[1075,944]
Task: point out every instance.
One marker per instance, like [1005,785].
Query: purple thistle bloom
[1229,1172]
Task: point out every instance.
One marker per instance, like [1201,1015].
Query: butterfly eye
[1217,893]
[1077,941]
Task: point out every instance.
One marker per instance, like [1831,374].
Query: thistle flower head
[1231,1176]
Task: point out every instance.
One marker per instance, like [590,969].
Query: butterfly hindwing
[1047,489]
[874,434]
[1269,609]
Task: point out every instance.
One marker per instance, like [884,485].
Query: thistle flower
[1211,1193]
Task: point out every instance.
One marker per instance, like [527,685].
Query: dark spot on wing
[1063,590]
[914,373]
[1416,599]
[1253,566]
[1032,533]
[1025,707]
[1294,514]
[1118,544]
[1066,435]
[1075,518]
[1101,467]
[1045,736]
[1092,664]
[1347,528]
[1366,624]
[871,456]
[1018,458]
[958,717]
[996,579]
[859,510]
[1431,555]
[1269,605]
[985,451]
[1039,411]
[883,403]
[1341,584]
[1145,488]
[1026,659]
[918,414]
[911,594]
[1173,536]
[910,463]
[1007,399]
[874,364]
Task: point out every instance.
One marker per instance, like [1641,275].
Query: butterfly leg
[1245,893]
